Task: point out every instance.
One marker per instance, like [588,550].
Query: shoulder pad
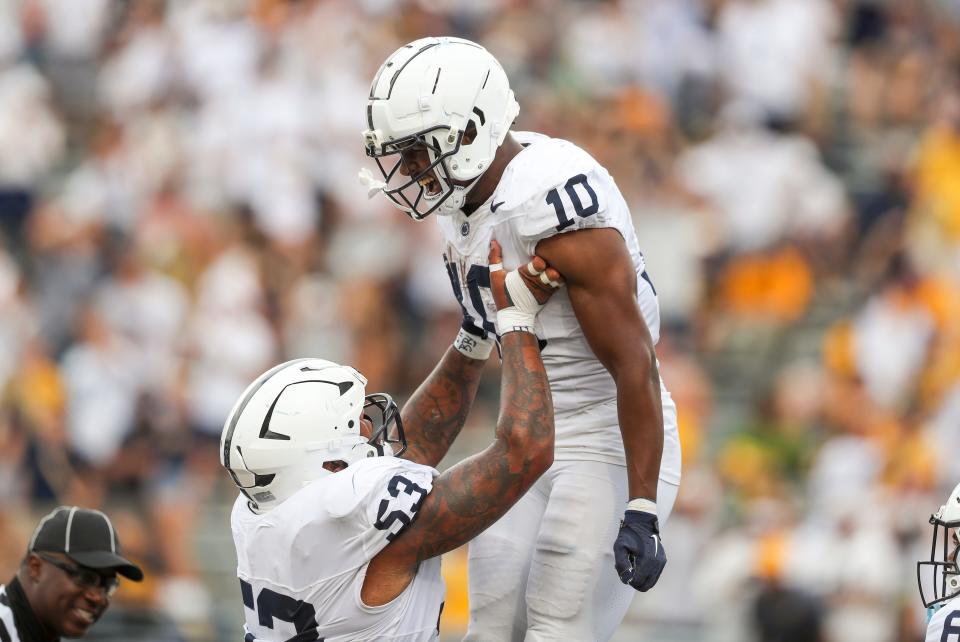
[396,495]
[556,188]
[382,493]
[545,163]
[352,489]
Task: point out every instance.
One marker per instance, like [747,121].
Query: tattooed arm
[436,412]
[472,495]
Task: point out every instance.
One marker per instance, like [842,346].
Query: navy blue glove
[638,554]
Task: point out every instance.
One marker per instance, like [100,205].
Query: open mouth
[84,615]
[431,187]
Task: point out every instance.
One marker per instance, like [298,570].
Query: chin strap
[457,198]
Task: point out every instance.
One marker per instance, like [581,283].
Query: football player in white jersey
[939,577]
[438,126]
[338,537]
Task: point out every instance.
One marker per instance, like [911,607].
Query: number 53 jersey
[302,564]
[554,187]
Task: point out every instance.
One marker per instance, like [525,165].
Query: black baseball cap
[86,536]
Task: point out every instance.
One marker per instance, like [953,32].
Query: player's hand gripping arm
[473,494]
[602,284]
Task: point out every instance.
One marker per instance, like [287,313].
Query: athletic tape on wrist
[644,505]
[472,346]
[513,320]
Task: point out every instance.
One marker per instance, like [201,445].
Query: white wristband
[513,320]
[520,316]
[472,346]
[644,505]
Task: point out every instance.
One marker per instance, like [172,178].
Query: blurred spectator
[891,338]
[691,388]
[139,72]
[776,53]
[103,381]
[765,186]
[69,38]
[850,461]
[35,399]
[852,564]
[230,340]
[179,209]
[786,614]
[774,285]
[935,219]
[18,314]
[677,238]
[147,308]
[944,424]
[31,139]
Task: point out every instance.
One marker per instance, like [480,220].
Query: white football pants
[545,570]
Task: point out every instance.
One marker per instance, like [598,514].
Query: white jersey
[553,187]
[944,626]
[302,564]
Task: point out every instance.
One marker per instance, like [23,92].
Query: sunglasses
[85,578]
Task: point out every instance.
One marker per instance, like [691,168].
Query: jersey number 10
[553,198]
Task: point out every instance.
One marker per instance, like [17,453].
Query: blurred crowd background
[180,210]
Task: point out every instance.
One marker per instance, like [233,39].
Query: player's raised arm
[437,410]
[476,492]
[601,282]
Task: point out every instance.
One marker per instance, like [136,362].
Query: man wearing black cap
[67,578]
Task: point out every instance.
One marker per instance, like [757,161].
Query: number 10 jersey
[554,187]
[302,564]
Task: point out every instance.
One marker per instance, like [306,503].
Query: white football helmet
[940,573]
[295,418]
[430,93]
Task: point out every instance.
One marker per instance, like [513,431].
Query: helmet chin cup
[456,200]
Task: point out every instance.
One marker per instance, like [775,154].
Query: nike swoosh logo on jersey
[493,208]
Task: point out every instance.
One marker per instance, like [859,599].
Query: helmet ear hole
[469,134]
